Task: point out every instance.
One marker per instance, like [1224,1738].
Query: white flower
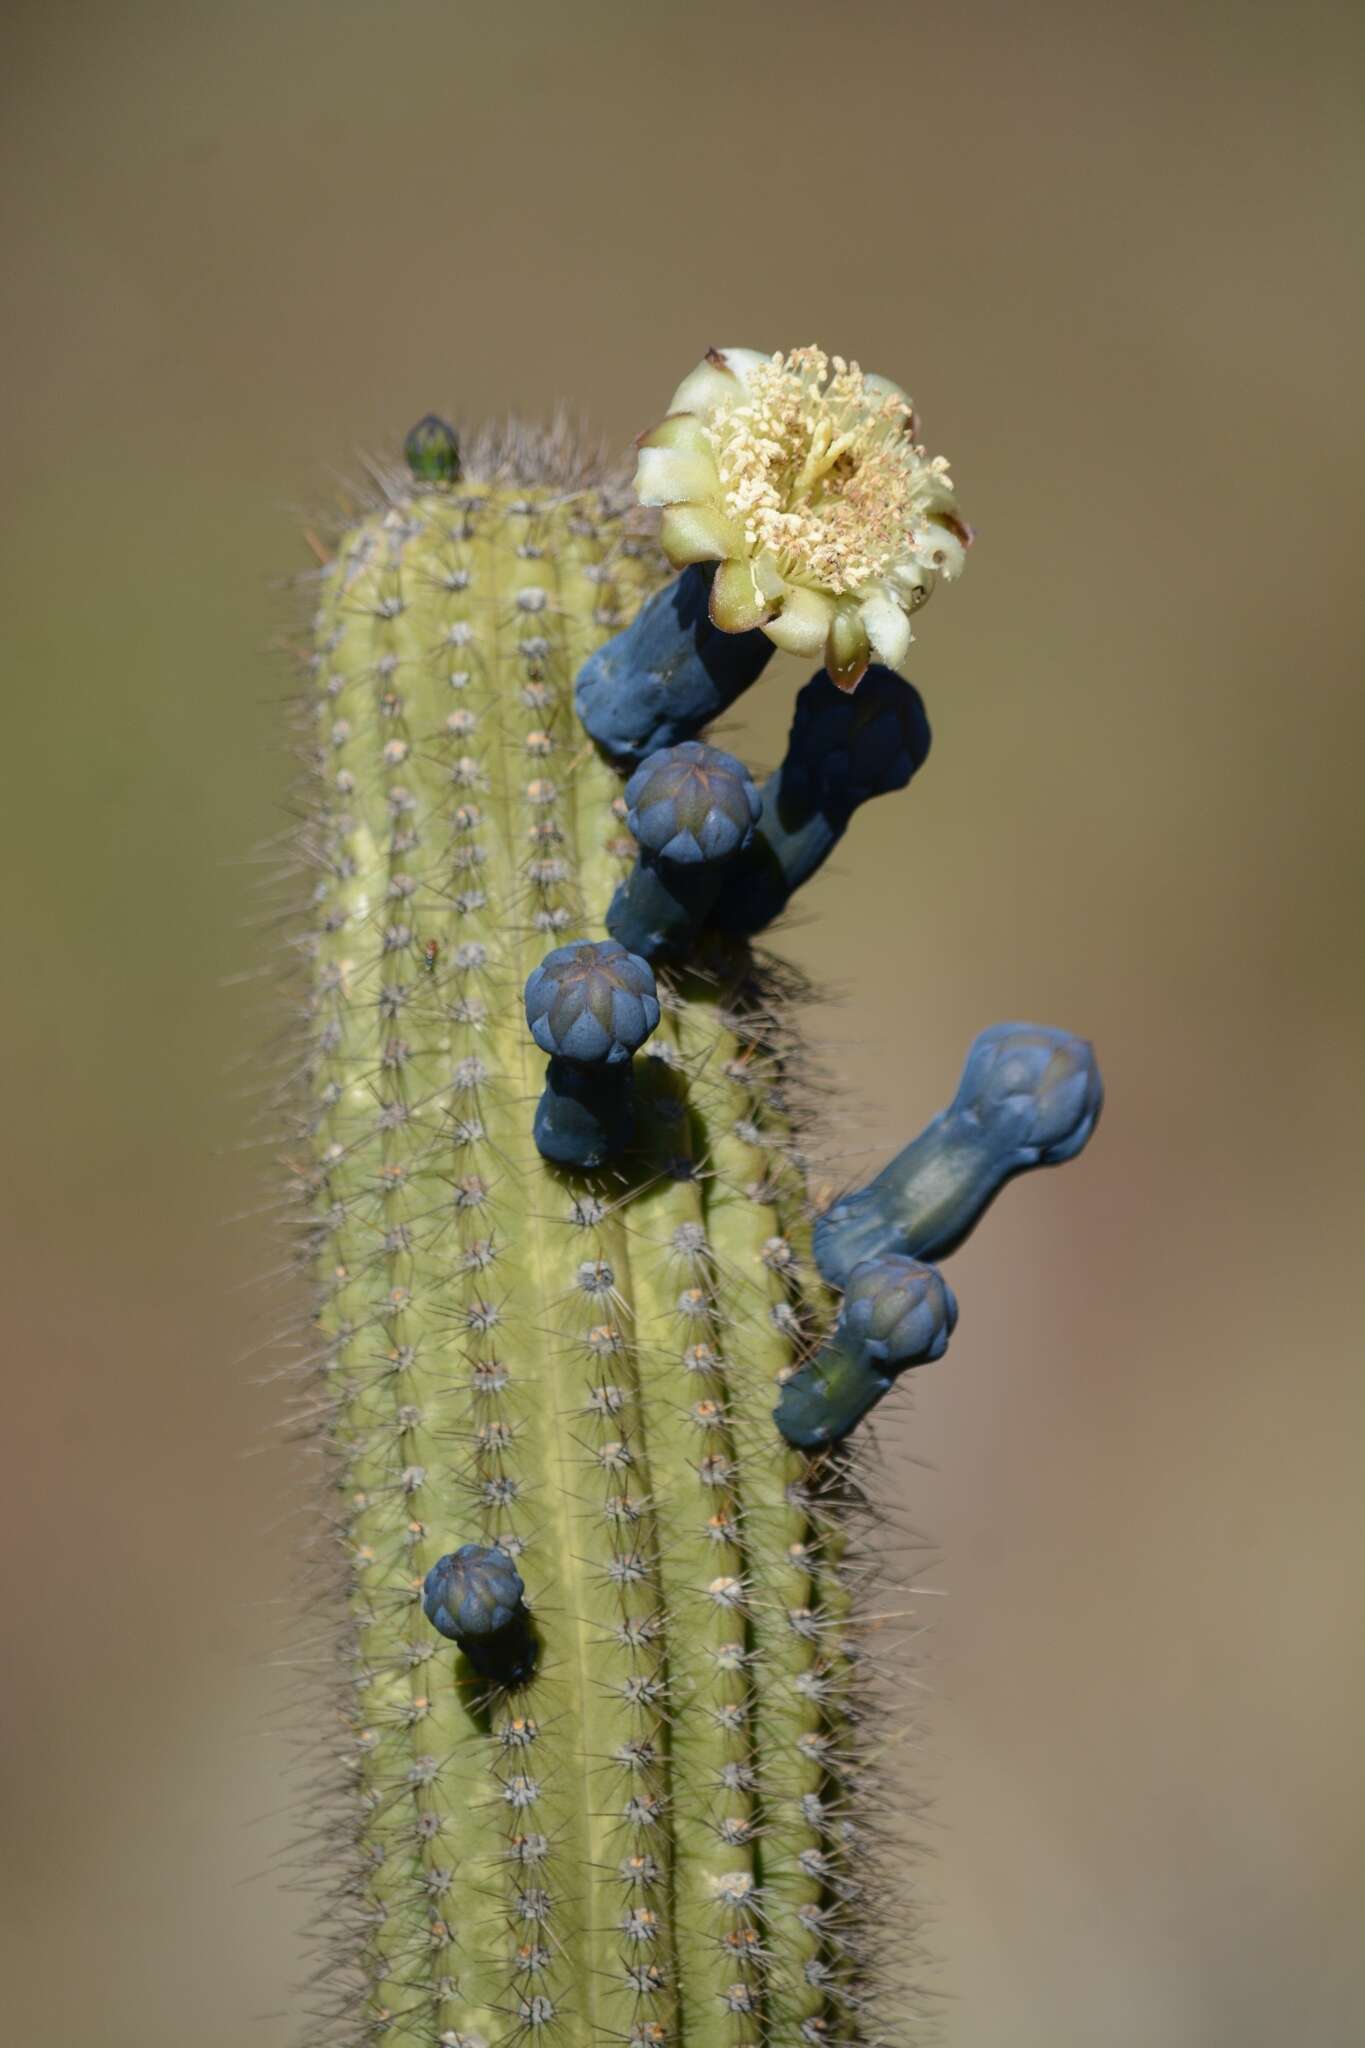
[801,478]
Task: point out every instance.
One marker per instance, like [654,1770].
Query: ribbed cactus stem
[582,1408]
[633,1830]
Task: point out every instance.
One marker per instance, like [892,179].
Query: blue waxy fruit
[693,809]
[896,1313]
[669,674]
[1029,1096]
[591,1006]
[844,748]
[475,1596]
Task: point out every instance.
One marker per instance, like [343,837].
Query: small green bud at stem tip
[432,451]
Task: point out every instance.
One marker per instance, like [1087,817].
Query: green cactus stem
[646,1839]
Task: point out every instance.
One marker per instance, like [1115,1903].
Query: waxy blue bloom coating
[669,674]
[692,804]
[844,748]
[899,1311]
[473,1593]
[1038,1091]
[693,810]
[592,1003]
[828,1397]
[1029,1096]
[586,1115]
[896,1314]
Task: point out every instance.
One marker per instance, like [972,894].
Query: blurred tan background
[1113,251]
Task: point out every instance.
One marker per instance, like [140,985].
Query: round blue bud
[1032,1089]
[472,1593]
[899,1311]
[692,804]
[592,1003]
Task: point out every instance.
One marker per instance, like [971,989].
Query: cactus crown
[580,1371]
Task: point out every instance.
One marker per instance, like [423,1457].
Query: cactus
[602,1772]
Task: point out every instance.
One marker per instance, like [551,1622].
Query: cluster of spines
[436,1354]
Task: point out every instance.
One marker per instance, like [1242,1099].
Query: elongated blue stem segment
[585,1116]
[1029,1096]
[668,674]
[591,1006]
[897,1313]
[693,810]
[475,1596]
[844,748]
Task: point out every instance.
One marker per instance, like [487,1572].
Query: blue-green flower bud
[1029,1096]
[475,1596]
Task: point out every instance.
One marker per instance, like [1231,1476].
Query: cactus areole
[588,1399]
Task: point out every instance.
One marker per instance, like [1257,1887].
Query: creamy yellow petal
[937,495]
[769,577]
[942,547]
[737,602]
[682,431]
[803,622]
[706,390]
[671,476]
[698,533]
[847,647]
[887,627]
[740,361]
[911,583]
[720,380]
